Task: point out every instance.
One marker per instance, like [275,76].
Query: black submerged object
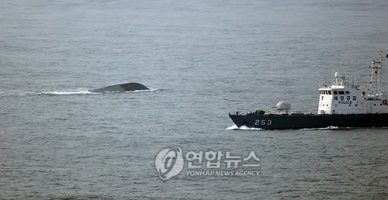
[121,88]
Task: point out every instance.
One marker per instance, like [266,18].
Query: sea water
[203,59]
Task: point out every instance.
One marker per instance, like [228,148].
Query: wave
[149,90]
[67,92]
[330,128]
[88,92]
[244,128]
[333,128]
[80,91]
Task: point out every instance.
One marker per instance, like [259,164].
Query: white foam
[148,90]
[245,128]
[85,92]
[330,128]
[233,127]
[68,92]
[327,128]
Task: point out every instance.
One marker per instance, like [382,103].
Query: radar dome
[283,106]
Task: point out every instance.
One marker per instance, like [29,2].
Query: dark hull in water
[121,88]
[300,121]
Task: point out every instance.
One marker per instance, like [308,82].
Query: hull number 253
[263,122]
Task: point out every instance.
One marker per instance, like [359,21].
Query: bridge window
[341,92]
[336,98]
[335,93]
[347,92]
[325,92]
[348,98]
[354,98]
[342,98]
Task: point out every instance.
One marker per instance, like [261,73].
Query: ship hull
[300,121]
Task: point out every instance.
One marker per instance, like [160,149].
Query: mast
[375,77]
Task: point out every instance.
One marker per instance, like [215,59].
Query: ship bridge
[339,98]
[343,97]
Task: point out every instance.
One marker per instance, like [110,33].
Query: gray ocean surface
[203,59]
